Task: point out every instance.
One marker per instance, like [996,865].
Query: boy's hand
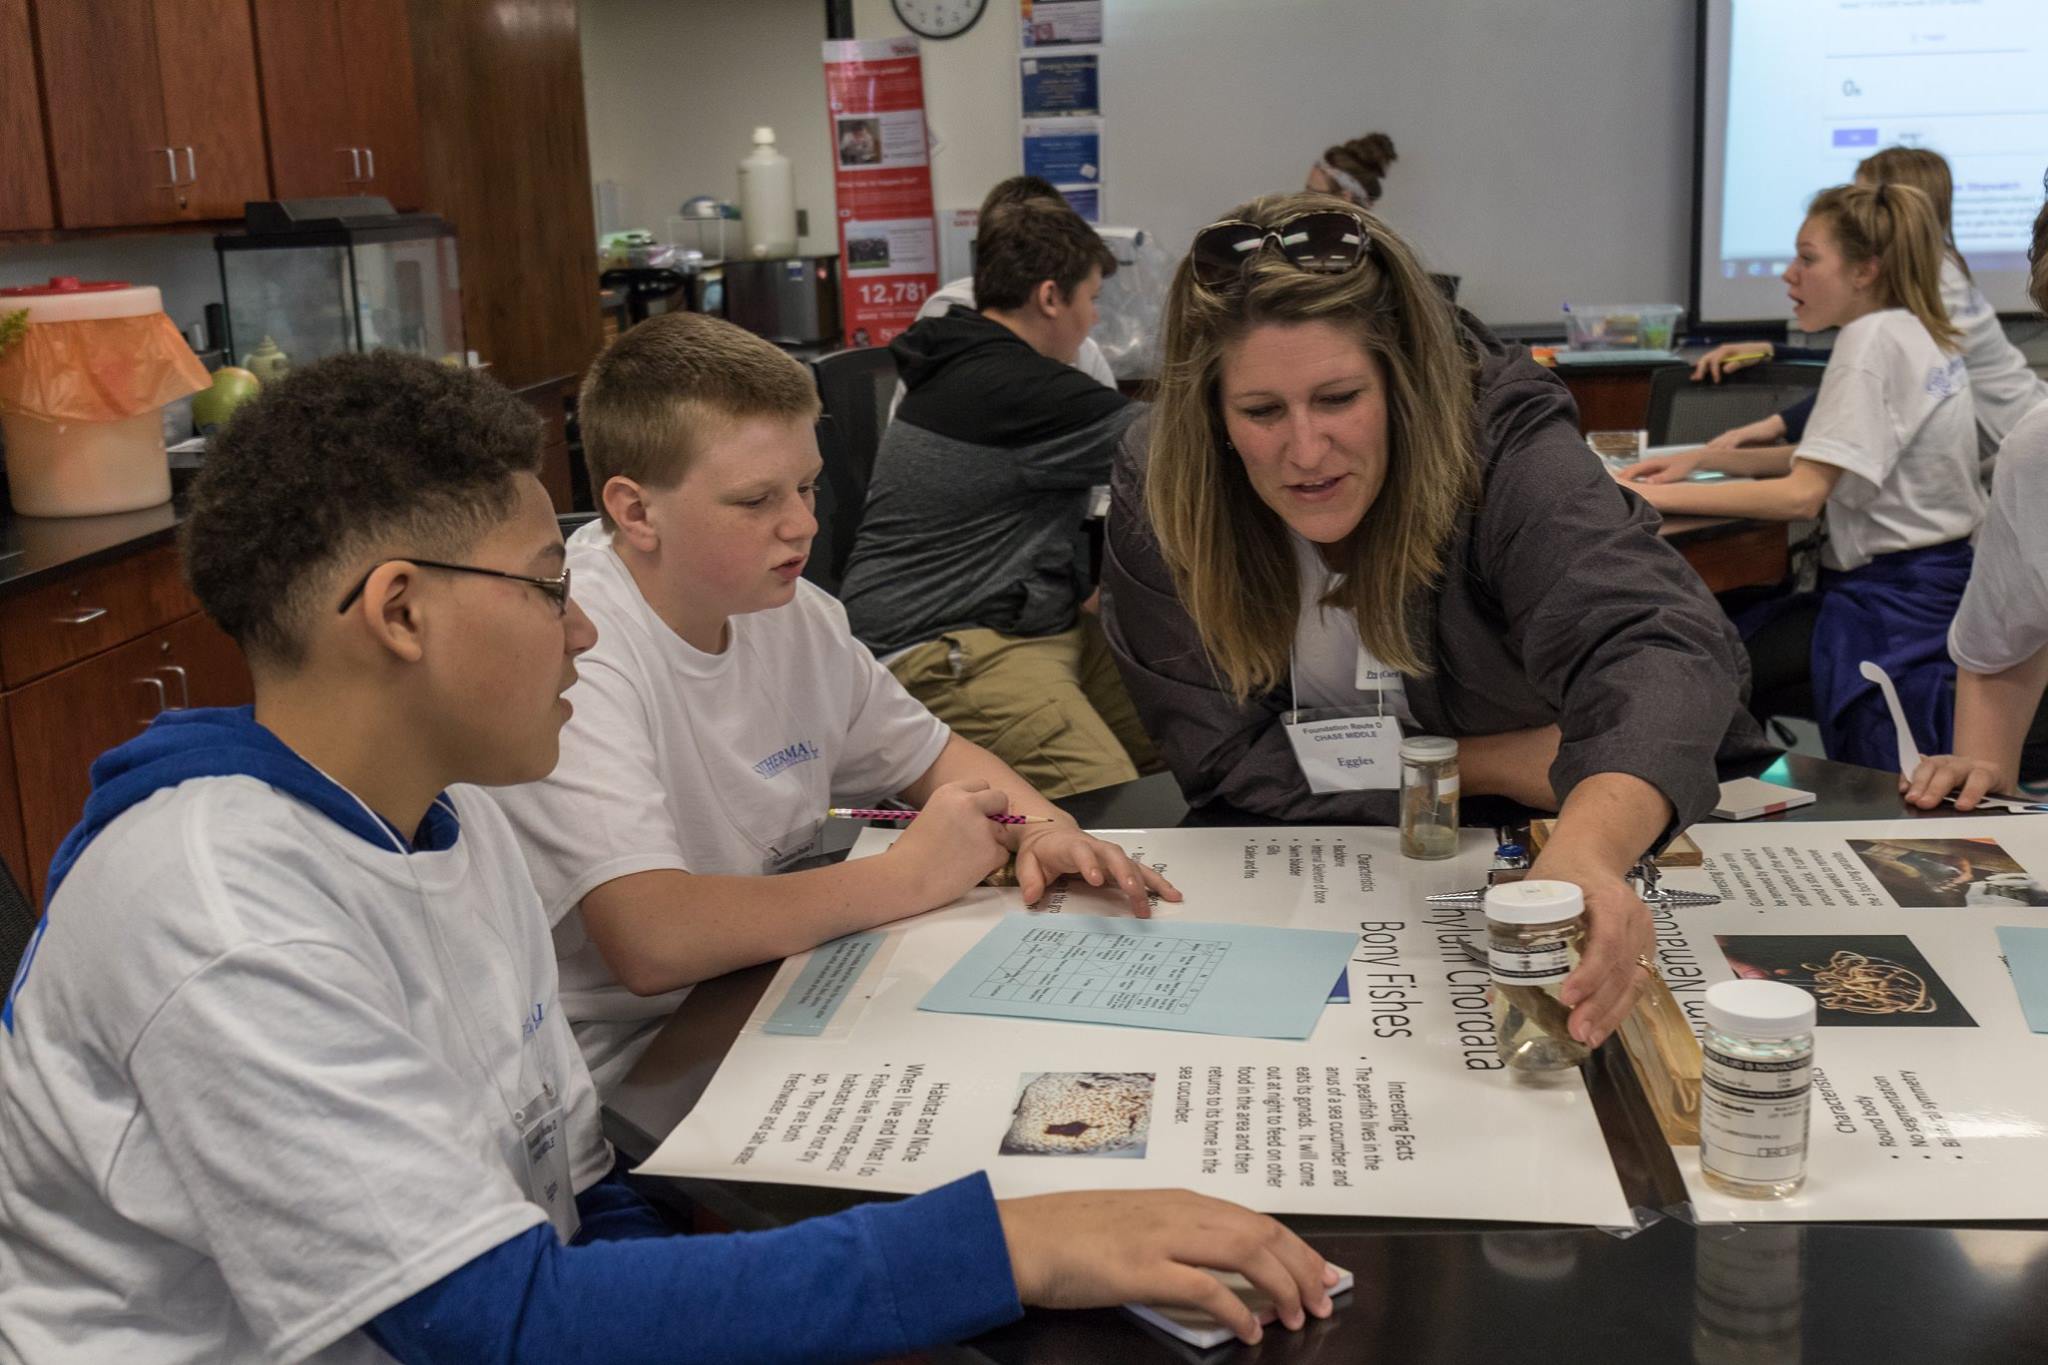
[1100,1248]
[1661,468]
[1045,853]
[952,844]
[1731,356]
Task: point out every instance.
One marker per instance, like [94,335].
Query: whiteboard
[1545,149]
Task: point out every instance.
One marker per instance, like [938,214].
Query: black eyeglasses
[556,589]
[1321,242]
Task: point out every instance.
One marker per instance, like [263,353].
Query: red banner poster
[888,244]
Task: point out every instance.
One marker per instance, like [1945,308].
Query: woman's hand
[1609,979]
[1105,1247]
[1971,779]
[1045,853]
[1731,356]
[1662,468]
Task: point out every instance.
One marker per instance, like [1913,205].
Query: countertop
[34,550]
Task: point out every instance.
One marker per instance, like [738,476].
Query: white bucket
[86,469]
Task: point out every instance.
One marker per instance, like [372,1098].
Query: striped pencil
[861,813]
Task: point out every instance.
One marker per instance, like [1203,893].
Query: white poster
[1395,1105]
[1930,1094]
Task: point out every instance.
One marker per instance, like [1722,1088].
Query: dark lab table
[1468,1292]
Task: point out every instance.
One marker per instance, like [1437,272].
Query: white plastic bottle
[768,200]
[1756,1086]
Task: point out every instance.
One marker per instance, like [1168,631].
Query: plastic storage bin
[1621,326]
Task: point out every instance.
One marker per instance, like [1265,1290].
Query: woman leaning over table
[1352,500]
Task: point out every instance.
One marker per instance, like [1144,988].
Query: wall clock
[938,18]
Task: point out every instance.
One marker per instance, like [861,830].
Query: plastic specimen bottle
[1533,931]
[768,199]
[1756,1088]
[1429,796]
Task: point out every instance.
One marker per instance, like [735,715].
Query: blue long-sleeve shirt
[877,1280]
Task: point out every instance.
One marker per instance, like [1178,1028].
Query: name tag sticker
[543,1136]
[1346,753]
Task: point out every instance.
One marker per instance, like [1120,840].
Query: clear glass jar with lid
[1429,796]
[1533,933]
[1756,1088]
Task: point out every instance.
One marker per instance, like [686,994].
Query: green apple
[232,387]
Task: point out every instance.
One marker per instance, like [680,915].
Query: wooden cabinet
[213,116]
[24,169]
[339,101]
[126,641]
[152,108]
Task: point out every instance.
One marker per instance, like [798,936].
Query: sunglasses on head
[1321,242]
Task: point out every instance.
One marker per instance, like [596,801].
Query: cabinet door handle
[170,160]
[80,617]
[191,165]
[163,698]
[184,685]
[355,163]
[370,155]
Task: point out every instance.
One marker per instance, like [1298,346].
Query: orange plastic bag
[101,370]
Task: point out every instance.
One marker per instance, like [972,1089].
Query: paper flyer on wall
[1060,23]
[888,244]
[1930,1092]
[1395,1105]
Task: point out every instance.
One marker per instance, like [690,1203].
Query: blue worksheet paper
[2026,957]
[1247,980]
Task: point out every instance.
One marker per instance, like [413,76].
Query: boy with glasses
[285,1074]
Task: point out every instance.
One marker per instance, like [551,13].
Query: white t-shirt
[2002,385]
[260,1082]
[2003,620]
[1332,669]
[1894,414]
[1089,360]
[709,763]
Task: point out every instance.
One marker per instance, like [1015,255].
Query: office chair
[1686,413]
[854,388]
[17,926]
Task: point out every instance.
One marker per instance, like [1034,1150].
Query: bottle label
[1753,1116]
[1531,964]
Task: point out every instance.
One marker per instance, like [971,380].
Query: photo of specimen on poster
[1937,872]
[1930,1090]
[1869,979]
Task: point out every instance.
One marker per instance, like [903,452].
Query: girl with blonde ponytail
[1888,461]
[2003,387]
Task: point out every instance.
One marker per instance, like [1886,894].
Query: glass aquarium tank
[314,277]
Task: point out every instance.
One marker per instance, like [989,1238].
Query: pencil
[1744,357]
[861,813]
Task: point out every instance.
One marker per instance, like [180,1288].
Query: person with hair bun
[1888,463]
[1999,640]
[1353,170]
[1352,502]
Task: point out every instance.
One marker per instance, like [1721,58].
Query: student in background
[2003,387]
[970,575]
[1999,640]
[1018,189]
[1355,502]
[726,706]
[1353,170]
[1889,462]
[286,1074]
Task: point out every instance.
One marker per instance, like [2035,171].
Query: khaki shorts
[1050,706]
